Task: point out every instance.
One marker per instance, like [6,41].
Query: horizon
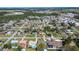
[25,8]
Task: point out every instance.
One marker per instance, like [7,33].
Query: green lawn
[30,49]
[30,35]
[30,38]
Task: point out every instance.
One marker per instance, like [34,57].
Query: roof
[23,41]
[32,42]
[56,43]
[77,24]
[2,33]
[9,32]
[14,41]
[59,40]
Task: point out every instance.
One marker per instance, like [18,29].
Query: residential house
[77,24]
[14,43]
[2,33]
[23,43]
[54,43]
[32,44]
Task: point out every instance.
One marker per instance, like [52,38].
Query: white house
[77,24]
[14,41]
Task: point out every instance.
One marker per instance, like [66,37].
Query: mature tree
[7,45]
[41,47]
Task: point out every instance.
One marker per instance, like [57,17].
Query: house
[49,44]
[14,43]
[77,24]
[72,43]
[9,32]
[57,43]
[66,20]
[23,43]
[54,43]
[70,14]
[48,38]
[32,44]
[2,33]
[68,31]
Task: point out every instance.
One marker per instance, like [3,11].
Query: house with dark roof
[54,43]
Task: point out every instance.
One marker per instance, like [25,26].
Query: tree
[77,43]
[7,45]
[19,48]
[41,47]
[71,48]
[47,28]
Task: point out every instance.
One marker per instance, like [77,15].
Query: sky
[39,3]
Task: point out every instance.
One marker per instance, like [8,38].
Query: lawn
[30,49]
[30,38]
[0,44]
[30,35]
[7,35]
